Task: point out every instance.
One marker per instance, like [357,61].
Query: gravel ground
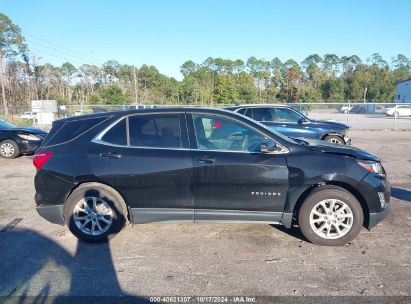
[206,259]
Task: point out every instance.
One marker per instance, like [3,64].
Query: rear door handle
[206,159]
[111,155]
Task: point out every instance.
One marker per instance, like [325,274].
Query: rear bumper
[53,214]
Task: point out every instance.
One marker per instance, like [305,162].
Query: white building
[404,91]
[45,110]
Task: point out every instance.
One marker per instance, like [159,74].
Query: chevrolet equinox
[97,172]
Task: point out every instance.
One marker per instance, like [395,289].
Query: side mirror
[302,121]
[268,146]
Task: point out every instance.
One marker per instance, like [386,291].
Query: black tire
[105,194]
[330,192]
[8,142]
[335,139]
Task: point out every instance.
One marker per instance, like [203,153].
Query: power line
[58,56]
[63,52]
[63,48]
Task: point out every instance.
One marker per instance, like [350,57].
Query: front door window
[287,115]
[219,133]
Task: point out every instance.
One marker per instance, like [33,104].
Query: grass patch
[18,121]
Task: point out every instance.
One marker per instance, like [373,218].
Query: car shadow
[37,269]
[293,231]
[35,263]
[401,194]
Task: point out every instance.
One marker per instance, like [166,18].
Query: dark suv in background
[96,172]
[292,123]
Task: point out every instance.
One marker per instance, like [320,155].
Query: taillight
[41,158]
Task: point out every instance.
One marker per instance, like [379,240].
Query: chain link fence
[360,116]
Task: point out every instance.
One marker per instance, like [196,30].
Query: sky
[168,33]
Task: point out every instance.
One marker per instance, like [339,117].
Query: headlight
[372,166]
[29,137]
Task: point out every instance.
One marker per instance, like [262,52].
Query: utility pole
[365,93]
[135,85]
[145,91]
[3,91]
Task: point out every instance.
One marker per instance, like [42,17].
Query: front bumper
[29,146]
[375,218]
[347,139]
[53,214]
[376,191]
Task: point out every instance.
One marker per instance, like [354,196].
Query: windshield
[6,125]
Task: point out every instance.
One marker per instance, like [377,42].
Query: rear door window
[263,114]
[248,113]
[155,130]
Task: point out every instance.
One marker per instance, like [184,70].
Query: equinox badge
[266,193]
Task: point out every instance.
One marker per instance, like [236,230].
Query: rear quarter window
[63,132]
[242,111]
[117,135]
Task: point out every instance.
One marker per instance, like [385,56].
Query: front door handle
[111,155]
[206,159]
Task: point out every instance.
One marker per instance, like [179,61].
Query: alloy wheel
[334,141]
[93,216]
[7,150]
[331,219]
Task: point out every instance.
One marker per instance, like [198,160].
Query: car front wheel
[9,149]
[334,139]
[330,216]
[95,213]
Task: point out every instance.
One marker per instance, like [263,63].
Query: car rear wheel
[95,213]
[334,139]
[330,216]
[9,149]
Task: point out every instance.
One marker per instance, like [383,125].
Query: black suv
[292,123]
[97,172]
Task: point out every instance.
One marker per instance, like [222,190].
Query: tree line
[327,78]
